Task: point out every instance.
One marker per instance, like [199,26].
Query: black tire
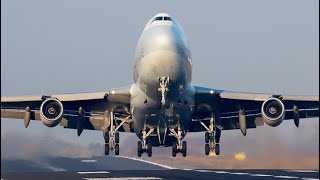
[217,149]
[149,149]
[116,137]
[106,137]
[217,140]
[207,149]
[117,149]
[139,148]
[217,135]
[174,149]
[106,149]
[184,148]
[206,137]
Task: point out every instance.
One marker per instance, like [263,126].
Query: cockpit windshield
[160,18]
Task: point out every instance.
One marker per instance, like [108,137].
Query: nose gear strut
[164,84]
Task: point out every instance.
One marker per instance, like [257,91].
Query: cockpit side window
[158,19]
[167,18]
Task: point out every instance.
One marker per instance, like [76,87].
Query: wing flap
[229,123]
[19,114]
[244,96]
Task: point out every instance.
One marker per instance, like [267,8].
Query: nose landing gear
[164,84]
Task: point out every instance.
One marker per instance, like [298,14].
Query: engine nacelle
[51,112]
[273,112]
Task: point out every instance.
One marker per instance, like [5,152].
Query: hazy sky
[79,46]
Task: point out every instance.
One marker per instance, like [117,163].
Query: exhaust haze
[264,147]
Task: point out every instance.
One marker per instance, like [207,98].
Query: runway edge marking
[287,177]
[303,171]
[149,162]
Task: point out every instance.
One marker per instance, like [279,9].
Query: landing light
[211,91]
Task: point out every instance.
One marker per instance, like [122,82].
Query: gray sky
[79,46]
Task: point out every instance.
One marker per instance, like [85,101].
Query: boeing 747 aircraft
[162,105]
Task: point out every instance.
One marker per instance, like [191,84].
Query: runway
[112,167]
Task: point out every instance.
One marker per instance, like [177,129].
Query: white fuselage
[162,52]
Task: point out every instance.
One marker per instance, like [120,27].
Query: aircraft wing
[229,103]
[93,104]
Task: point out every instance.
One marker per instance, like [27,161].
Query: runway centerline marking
[89,160]
[309,179]
[93,172]
[260,175]
[200,170]
[239,173]
[221,172]
[187,169]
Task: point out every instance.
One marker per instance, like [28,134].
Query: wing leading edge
[229,104]
[95,106]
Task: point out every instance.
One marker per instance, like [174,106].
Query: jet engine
[273,111]
[51,112]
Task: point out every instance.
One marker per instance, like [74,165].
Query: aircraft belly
[147,113]
[160,121]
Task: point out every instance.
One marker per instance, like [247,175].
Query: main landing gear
[145,146]
[212,136]
[211,144]
[112,137]
[178,145]
[112,142]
